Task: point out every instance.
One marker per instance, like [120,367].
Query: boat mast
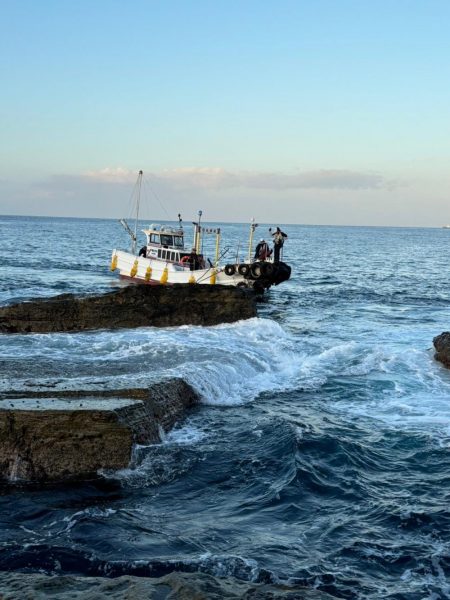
[131,233]
[138,202]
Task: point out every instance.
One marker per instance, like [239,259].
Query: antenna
[138,201]
[253,226]
[199,232]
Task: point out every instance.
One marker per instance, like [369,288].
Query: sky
[306,111]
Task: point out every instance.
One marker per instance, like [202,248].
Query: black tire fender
[230,270]
[256,270]
[244,270]
[267,269]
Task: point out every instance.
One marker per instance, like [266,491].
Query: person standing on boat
[278,241]
[262,250]
[193,260]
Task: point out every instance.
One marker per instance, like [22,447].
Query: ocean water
[319,457]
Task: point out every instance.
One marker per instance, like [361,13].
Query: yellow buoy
[134,268]
[192,279]
[148,273]
[164,276]
[212,279]
[114,263]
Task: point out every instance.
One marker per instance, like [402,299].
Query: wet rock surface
[442,345]
[71,435]
[131,306]
[174,586]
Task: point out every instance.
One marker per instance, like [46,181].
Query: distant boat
[445,226]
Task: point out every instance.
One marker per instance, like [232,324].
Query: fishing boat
[164,259]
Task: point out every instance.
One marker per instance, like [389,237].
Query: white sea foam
[234,363]
[402,387]
[227,364]
[229,565]
[186,435]
[95,512]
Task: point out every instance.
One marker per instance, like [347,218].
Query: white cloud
[111,175]
[322,179]
[216,178]
[320,196]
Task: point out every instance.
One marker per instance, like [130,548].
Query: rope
[205,275]
[155,195]
[133,201]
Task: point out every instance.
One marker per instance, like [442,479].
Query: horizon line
[231,222]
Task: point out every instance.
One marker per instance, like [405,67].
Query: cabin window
[172,256]
[167,240]
[154,238]
[178,241]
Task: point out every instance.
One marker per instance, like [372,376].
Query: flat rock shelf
[71,435]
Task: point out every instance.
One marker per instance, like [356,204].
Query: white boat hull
[153,272]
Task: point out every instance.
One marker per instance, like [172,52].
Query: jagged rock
[442,344]
[131,306]
[78,433]
[174,586]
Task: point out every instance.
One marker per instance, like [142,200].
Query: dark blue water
[320,454]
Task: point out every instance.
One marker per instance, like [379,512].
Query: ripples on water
[319,456]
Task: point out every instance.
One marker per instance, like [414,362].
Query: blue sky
[301,112]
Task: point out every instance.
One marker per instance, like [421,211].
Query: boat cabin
[165,243]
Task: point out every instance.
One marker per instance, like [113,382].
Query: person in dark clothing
[143,251]
[193,260]
[278,241]
[262,250]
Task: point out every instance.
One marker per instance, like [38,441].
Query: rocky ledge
[131,306]
[183,586]
[71,435]
[442,344]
